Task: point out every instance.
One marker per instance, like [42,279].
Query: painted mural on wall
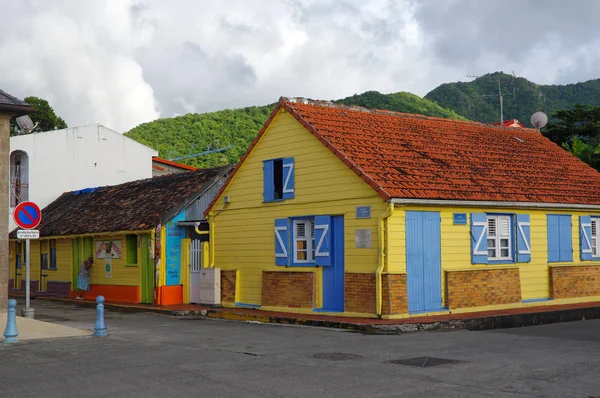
[174,235]
[110,248]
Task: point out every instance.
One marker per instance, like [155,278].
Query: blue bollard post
[100,328]
[11,332]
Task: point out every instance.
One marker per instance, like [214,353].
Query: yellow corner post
[378,277]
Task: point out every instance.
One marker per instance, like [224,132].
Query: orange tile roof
[410,156]
[172,163]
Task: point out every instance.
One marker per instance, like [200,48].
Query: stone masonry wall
[228,281]
[360,293]
[395,299]
[477,288]
[288,289]
[578,281]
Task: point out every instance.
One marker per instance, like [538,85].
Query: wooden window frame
[595,238]
[309,225]
[497,238]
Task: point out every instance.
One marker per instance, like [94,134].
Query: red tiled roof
[172,163]
[132,206]
[511,123]
[419,157]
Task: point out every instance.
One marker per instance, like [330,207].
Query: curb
[480,323]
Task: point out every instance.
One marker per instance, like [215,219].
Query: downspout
[211,235]
[382,260]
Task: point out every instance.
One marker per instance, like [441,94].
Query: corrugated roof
[132,206]
[419,157]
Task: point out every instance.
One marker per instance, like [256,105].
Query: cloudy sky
[125,62]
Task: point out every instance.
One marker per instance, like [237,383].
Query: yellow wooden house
[343,210]
[138,233]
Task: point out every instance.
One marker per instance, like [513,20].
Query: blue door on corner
[333,275]
[423,261]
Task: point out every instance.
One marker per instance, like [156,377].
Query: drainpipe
[382,260]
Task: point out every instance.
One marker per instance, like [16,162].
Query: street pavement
[150,355]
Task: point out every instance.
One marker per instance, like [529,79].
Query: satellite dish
[539,119]
[26,124]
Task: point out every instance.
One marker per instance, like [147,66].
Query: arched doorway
[19,177]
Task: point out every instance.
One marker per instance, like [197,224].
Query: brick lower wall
[579,281]
[228,281]
[477,288]
[60,289]
[360,293]
[288,289]
[395,300]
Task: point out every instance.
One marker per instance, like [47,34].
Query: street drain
[423,362]
[337,356]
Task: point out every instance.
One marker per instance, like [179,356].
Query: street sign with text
[28,234]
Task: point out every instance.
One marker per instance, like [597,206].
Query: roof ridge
[308,101]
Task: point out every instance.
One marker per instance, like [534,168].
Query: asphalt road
[148,355]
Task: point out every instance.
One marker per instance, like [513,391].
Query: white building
[45,165]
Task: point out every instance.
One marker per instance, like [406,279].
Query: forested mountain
[174,137]
[478,99]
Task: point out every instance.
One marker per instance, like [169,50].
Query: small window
[132,252]
[499,239]
[304,241]
[595,237]
[278,179]
[52,253]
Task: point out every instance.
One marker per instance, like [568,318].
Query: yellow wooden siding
[244,229]
[456,244]
[64,261]
[122,275]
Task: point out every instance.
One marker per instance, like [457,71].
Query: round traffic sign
[27,215]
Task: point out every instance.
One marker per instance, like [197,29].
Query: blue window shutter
[566,240]
[479,224]
[523,238]
[288,178]
[323,240]
[585,237]
[52,258]
[553,237]
[268,181]
[281,241]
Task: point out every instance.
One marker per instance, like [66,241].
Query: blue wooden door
[423,261]
[333,276]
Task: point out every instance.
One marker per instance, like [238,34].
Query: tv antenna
[26,124]
[500,80]
[194,155]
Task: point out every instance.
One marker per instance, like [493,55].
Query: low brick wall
[478,288]
[360,293]
[288,289]
[59,289]
[577,281]
[395,300]
[228,281]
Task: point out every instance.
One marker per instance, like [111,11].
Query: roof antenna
[500,80]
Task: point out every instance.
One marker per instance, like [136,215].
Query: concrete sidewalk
[31,329]
[485,320]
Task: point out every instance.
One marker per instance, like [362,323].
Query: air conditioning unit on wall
[210,286]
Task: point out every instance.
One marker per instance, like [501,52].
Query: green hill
[466,98]
[174,137]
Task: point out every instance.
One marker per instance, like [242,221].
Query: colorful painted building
[139,234]
[345,210]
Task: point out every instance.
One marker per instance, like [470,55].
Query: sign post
[27,215]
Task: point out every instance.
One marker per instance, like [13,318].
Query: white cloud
[122,63]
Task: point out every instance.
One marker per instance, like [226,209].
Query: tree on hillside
[44,115]
[578,131]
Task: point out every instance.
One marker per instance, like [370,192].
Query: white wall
[80,157]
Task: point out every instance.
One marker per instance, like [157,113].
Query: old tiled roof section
[11,103]
[419,157]
[132,206]
[172,163]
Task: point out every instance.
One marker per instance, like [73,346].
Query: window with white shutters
[304,241]
[595,237]
[499,237]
